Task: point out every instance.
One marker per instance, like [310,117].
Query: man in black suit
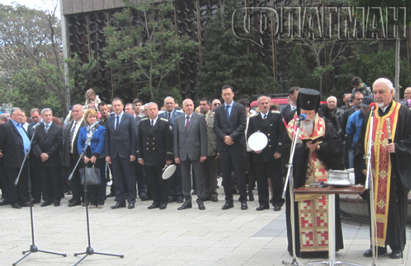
[34,162]
[69,154]
[229,125]
[288,112]
[267,161]
[154,152]
[46,144]
[14,144]
[120,148]
[190,150]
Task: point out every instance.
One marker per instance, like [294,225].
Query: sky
[46,5]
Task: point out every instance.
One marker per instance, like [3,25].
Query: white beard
[307,126]
[380,105]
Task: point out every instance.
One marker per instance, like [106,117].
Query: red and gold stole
[381,166]
[312,208]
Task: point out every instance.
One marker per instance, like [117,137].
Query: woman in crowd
[93,154]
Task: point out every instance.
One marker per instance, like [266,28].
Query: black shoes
[74,203]
[179,199]
[381,251]
[45,203]
[131,205]
[163,205]
[244,205]
[143,197]
[153,206]
[186,205]
[262,207]
[119,204]
[15,206]
[396,254]
[200,204]
[227,205]
[277,208]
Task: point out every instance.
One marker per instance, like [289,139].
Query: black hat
[308,99]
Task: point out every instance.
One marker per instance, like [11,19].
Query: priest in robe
[318,149]
[390,167]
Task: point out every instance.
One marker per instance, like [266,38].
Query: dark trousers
[271,170]
[75,182]
[209,172]
[19,193]
[186,167]
[232,161]
[51,183]
[158,186]
[124,179]
[36,182]
[141,180]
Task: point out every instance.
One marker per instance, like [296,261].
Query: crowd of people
[132,143]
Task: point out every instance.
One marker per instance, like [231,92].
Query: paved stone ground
[165,237]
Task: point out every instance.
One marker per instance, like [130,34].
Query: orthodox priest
[390,167]
[318,149]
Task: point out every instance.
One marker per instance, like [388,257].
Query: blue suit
[173,115]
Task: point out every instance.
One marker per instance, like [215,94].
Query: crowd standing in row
[133,143]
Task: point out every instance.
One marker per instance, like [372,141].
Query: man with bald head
[14,145]
[190,150]
[390,167]
[69,152]
[407,97]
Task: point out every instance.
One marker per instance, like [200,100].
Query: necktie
[187,122]
[264,116]
[116,123]
[168,115]
[152,122]
[73,128]
[227,109]
[47,127]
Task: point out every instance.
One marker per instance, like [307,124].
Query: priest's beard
[307,127]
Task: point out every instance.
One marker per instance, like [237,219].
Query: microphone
[302,117]
[373,106]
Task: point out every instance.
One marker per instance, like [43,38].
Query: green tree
[31,58]
[144,50]
[229,60]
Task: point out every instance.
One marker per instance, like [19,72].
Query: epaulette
[143,119]
[275,112]
[253,114]
[161,118]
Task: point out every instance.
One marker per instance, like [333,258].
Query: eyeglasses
[215,104]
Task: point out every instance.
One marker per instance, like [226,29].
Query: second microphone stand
[33,248]
[290,183]
[89,250]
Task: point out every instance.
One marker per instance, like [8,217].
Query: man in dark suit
[69,154]
[267,161]
[229,125]
[14,144]
[190,149]
[154,152]
[34,162]
[46,144]
[120,148]
[175,182]
[288,112]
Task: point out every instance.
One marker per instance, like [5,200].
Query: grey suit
[190,143]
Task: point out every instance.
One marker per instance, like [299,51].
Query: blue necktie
[47,127]
[227,110]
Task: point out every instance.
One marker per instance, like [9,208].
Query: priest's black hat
[308,99]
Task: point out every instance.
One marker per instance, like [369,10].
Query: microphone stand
[89,250]
[290,182]
[369,184]
[33,248]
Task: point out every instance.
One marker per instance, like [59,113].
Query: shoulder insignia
[143,119]
[164,119]
[275,112]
